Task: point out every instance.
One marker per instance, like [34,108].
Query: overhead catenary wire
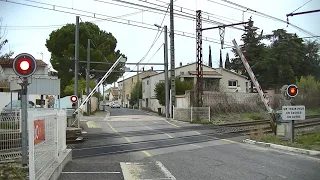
[156,38]
[127,22]
[186,16]
[154,54]
[301,6]
[251,11]
[179,10]
[59,25]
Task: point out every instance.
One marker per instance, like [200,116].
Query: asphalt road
[124,112]
[133,143]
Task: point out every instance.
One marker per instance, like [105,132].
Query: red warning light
[292,90]
[24,65]
[74,98]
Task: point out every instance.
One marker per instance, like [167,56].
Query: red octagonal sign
[74,98]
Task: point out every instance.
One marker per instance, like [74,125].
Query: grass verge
[238,117]
[13,172]
[309,141]
[310,112]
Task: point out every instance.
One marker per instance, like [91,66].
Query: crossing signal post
[24,66]
[289,112]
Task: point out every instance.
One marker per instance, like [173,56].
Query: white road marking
[171,123]
[284,177]
[91,172]
[165,170]
[92,124]
[153,129]
[195,145]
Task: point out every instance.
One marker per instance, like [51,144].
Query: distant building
[125,86]
[214,79]
[44,83]
[113,94]
[8,73]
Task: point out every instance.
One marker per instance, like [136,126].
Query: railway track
[261,122]
[263,125]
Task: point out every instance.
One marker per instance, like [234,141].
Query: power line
[55,26]
[127,22]
[154,54]
[260,14]
[186,15]
[301,6]
[156,38]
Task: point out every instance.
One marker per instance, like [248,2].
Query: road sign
[24,65]
[74,98]
[39,131]
[293,113]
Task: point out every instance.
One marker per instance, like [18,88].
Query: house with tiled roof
[43,83]
[7,73]
[113,94]
[214,79]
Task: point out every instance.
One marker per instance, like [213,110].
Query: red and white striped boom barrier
[264,99]
[120,59]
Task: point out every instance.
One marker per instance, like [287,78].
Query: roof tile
[7,63]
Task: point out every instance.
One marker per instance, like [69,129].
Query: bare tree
[4,41]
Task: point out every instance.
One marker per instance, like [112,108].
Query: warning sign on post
[39,131]
[293,113]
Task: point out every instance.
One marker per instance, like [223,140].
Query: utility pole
[103,102]
[172,74]
[123,92]
[199,67]
[88,77]
[24,120]
[137,85]
[165,28]
[76,59]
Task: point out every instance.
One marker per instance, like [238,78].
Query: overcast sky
[29,27]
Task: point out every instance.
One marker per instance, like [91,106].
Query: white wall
[40,72]
[226,76]
[179,71]
[94,104]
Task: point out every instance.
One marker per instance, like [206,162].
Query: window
[232,83]
[181,73]
[143,87]
[161,81]
[147,82]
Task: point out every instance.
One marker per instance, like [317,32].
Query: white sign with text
[293,113]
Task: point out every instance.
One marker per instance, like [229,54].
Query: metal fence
[192,114]
[47,139]
[10,135]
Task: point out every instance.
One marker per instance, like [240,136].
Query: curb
[108,113]
[281,147]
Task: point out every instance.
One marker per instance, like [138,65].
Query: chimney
[180,64]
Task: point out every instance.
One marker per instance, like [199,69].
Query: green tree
[61,46]
[227,64]
[309,89]
[253,50]
[136,93]
[311,62]
[286,59]
[69,89]
[181,88]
